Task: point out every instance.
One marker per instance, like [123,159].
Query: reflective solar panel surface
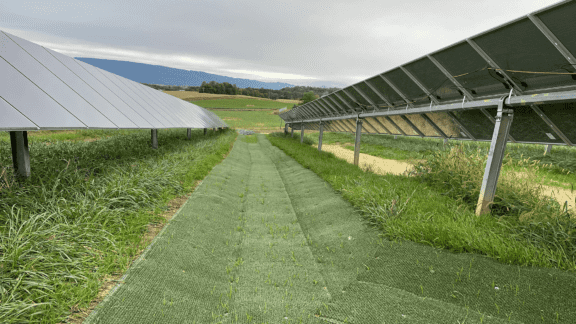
[532,56]
[41,89]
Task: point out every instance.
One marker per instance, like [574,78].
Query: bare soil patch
[383,166]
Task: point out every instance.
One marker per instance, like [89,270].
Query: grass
[480,263]
[193,95]
[259,270]
[437,208]
[259,121]
[82,213]
[244,103]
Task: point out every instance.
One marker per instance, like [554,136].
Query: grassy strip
[187,274]
[250,119]
[409,208]
[526,294]
[543,223]
[476,283]
[242,104]
[277,280]
[345,247]
[83,212]
[559,165]
[335,233]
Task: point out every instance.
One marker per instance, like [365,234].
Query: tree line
[295,93]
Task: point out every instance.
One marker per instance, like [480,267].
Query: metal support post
[302,133]
[20,153]
[205,130]
[189,133]
[357,142]
[155,139]
[395,136]
[285,129]
[320,136]
[504,118]
[292,130]
[445,141]
[548,149]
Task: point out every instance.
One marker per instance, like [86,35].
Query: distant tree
[308,96]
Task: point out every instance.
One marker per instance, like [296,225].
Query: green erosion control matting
[263,240]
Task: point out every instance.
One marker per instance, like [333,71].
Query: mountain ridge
[157,74]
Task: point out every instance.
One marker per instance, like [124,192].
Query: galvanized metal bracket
[503,118]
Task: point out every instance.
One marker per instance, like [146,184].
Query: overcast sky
[298,42]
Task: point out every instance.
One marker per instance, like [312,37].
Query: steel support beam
[360,106]
[351,109]
[374,106]
[320,136]
[412,125]
[302,133]
[342,110]
[343,125]
[154,139]
[464,91]
[494,65]
[494,122]
[438,130]
[495,156]
[548,149]
[379,94]
[395,88]
[325,103]
[336,126]
[357,141]
[551,125]
[20,154]
[457,121]
[381,125]
[394,124]
[285,129]
[420,85]
[189,133]
[372,126]
[292,130]
[319,107]
[553,39]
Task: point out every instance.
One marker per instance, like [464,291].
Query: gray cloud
[300,42]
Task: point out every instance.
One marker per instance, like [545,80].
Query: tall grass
[436,206]
[83,211]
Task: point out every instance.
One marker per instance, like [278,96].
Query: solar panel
[12,118]
[124,94]
[83,96]
[50,84]
[38,106]
[41,89]
[529,57]
[73,82]
[523,71]
[101,89]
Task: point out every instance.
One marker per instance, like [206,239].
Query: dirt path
[382,166]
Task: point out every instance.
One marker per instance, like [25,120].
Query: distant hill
[156,74]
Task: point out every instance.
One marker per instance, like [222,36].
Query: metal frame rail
[397,89]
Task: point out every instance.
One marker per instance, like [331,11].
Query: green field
[83,212]
[242,104]
[260,121]
[279,232]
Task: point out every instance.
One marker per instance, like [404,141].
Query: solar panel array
[454,92]
[41,89]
